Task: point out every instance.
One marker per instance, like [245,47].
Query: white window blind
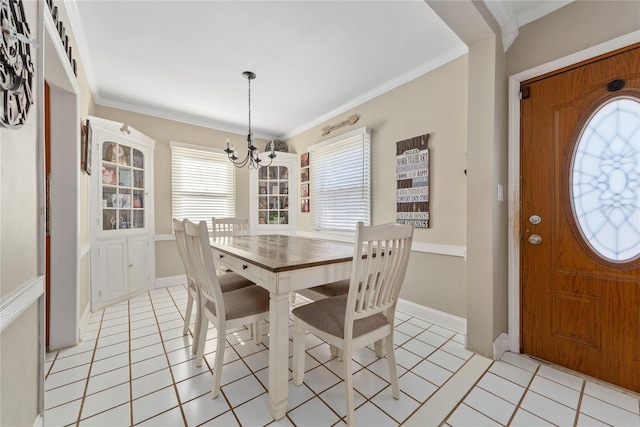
[202,183]
[340,179]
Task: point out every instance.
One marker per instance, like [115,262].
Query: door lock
[535,219]
[535,239]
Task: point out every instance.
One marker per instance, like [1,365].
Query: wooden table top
[278,253]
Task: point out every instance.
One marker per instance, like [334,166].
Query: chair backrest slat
[380,262]
[227,227]
[199,250]
[178,227]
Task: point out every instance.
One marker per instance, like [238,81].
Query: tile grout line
[86,384]
[166,355]
[579,406]
[130,368]
[204,360]
[526,390]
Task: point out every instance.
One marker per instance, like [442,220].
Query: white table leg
[278,354]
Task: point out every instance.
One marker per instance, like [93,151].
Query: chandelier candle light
[252,158]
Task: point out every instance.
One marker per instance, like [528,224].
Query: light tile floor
[134,367]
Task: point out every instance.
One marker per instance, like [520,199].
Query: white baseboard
[85,249]
[163,282]
[446,320]
[39,421]
[500,346]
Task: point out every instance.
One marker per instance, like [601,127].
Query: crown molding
[510,21]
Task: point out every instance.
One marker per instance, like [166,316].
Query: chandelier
[252,159]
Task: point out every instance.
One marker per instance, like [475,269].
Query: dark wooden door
[580,189]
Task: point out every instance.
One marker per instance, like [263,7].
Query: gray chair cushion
[341,287]
[244,302]
[328,315]
[232,281]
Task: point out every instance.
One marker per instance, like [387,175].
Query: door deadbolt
[535,219]
[535,239]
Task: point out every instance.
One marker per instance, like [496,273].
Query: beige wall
[19,257]
[435,103]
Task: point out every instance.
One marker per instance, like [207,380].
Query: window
[202,183]
[605,180]
[341,181]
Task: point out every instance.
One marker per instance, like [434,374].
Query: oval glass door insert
[605,180]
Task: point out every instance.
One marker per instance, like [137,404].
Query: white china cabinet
[121,212]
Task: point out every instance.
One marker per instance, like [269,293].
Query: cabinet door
[273,197]
[113,271]
[123,187]
[138,267]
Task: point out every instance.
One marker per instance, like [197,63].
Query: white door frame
[514,166]
[64,330]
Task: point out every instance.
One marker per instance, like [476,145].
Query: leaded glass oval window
[605,180]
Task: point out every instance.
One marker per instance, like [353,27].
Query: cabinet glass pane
[274,217]
[138,199]
[109,219]
[273,172]
[284,172]
[138,179]
[138,159]
[138,219]
[109,197]
[263,217]
[262,173]
[124,198]
[124,218]
[108,175]
[116,153]
[124,177]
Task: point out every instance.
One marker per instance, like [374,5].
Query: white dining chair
[366,314]
[230,226]
[230,282]
[225,310]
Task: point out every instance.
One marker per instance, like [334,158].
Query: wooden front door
[580,218]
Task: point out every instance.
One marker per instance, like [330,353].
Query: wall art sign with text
[412,178]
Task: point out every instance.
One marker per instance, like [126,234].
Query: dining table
[282,264]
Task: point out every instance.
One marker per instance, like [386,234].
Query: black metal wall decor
[16,66]
[64,38]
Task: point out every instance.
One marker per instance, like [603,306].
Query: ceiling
[183,60]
